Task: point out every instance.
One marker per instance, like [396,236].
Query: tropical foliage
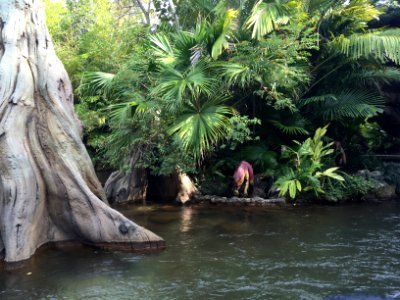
[306,172]
[213,82]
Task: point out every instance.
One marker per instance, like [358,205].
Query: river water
[213,252]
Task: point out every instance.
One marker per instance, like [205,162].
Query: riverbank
[218,200]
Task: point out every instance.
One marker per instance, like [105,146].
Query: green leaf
[293,128]
[199,128]
[298,184]
[292,189]
[163,48]
[331,173]
[283,188]
[348,104]
[265,16]
[384,45]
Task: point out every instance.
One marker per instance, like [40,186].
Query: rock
[186,188]
[237,200]
[262,184]
[259,192]
[377,175]
[130,186]
[388,181]
[174,187]
[386,191]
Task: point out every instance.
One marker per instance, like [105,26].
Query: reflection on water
[186,219]
[236,253]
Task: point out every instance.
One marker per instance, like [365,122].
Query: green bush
[353,188]
[306,172]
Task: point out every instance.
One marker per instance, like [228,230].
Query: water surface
[230,253]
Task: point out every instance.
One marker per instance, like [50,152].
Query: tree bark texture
[137,185]
[130,186]
[48,189]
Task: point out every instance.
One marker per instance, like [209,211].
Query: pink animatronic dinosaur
[243,175]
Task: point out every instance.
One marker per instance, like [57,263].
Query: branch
[145,12]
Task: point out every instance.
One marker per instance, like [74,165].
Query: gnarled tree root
[48,189]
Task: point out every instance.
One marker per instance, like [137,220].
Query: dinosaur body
[243,175]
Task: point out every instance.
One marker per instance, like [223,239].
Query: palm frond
[316,99]
[163,49]
[174,84]
[314,6]
[350,17]
[120,113]
[99,84]
[265,16]
[226,23]
[349,104]
[360,10]
[235,73]
[196,53]
[293,126]
[128,111]
[184,43]
[383,75]
[383,45]
[198,129]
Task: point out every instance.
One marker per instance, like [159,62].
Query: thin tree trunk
[146,13]
[175,15]
[48,189]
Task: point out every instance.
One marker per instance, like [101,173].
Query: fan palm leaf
[163,49]
[175,85]
[136,107]
[236,73]
[100,84]
[199,128]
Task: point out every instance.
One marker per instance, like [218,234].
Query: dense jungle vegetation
[305,90]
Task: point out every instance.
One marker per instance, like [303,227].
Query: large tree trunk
[48,189]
